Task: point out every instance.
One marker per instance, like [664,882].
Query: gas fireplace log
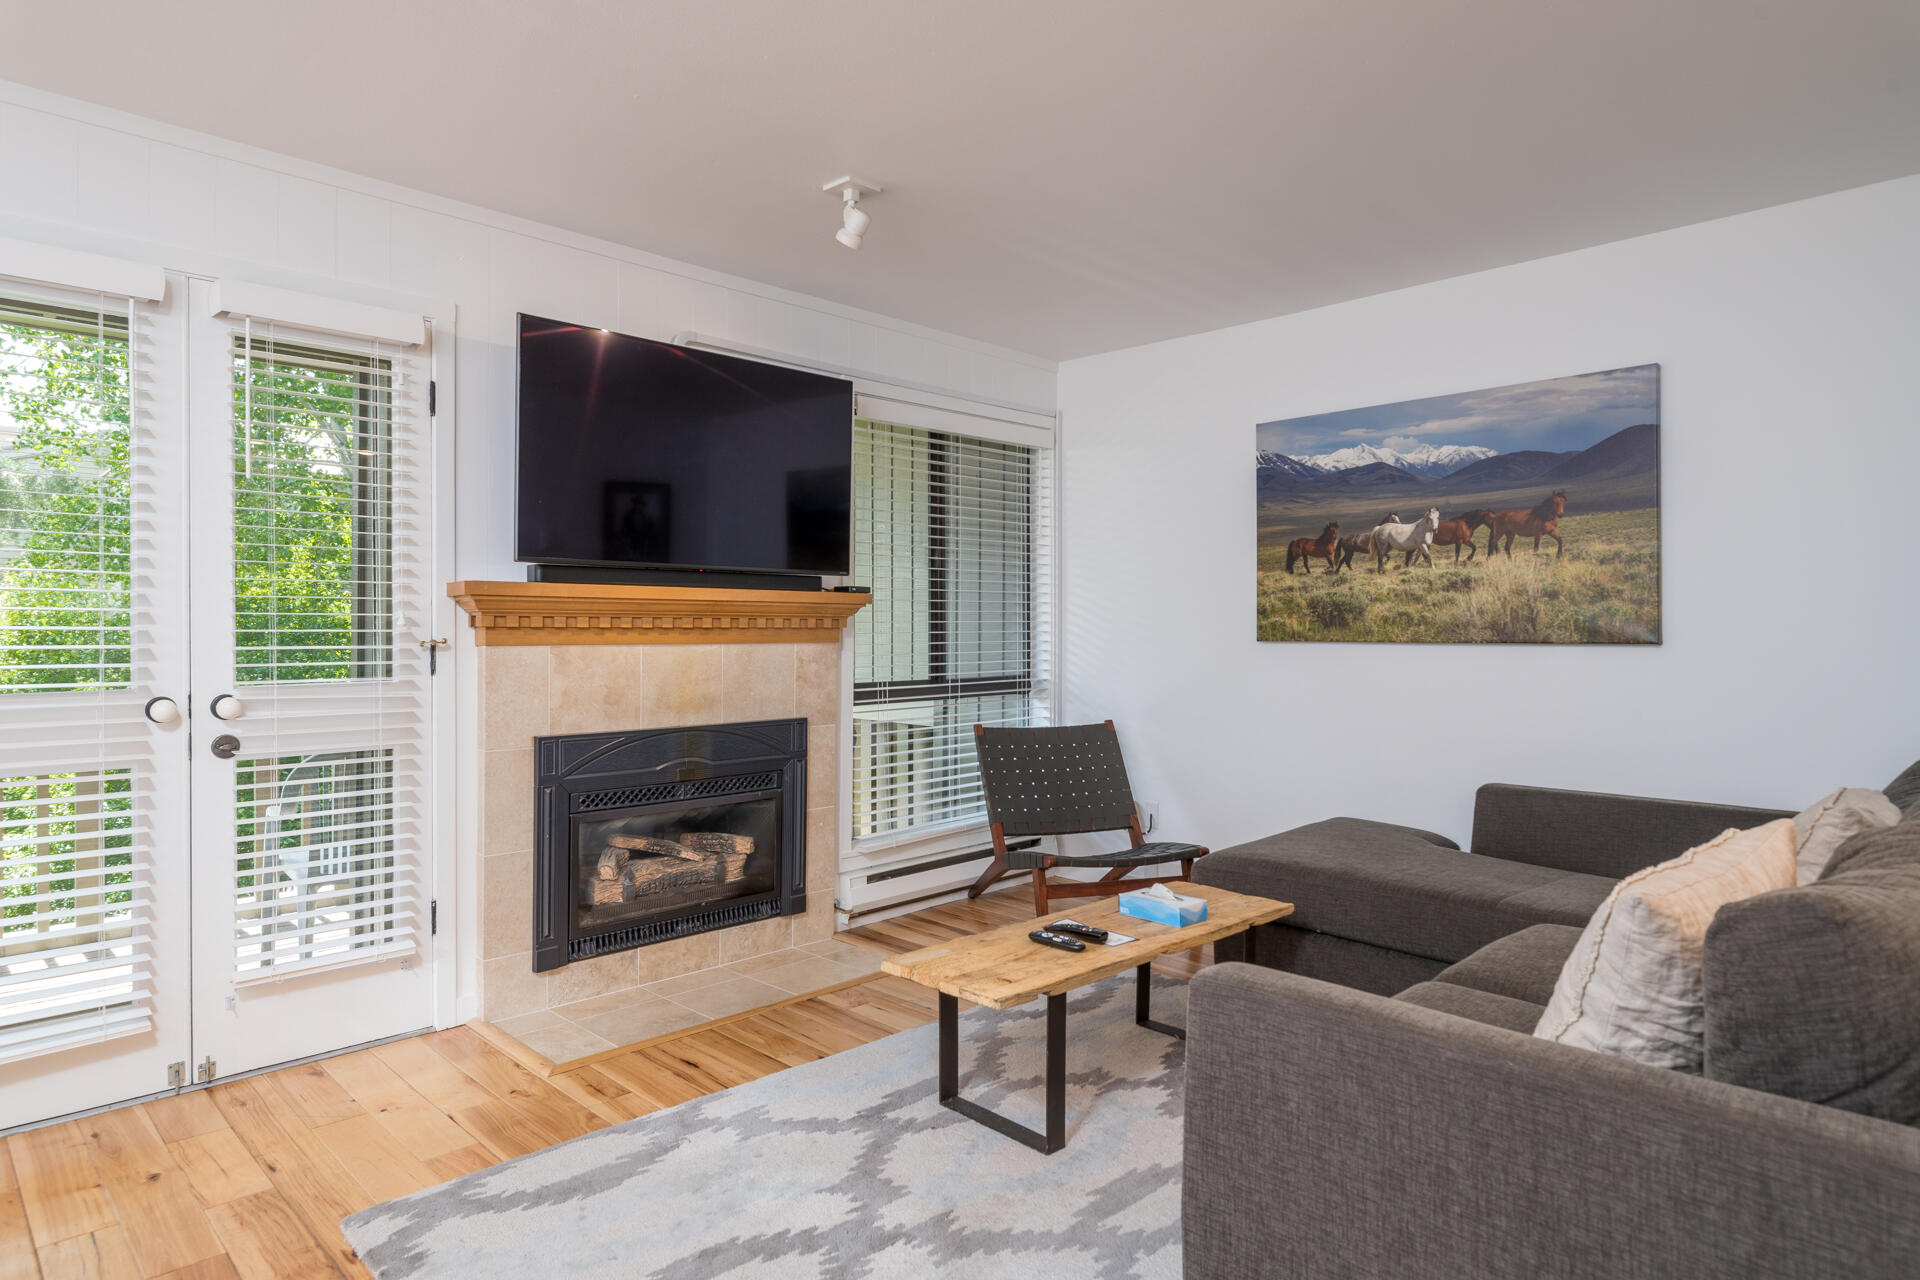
[648,846]
[648,876]
[717,842]
[611,860]
[609,892]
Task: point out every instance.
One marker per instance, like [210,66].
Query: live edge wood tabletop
[1003,967]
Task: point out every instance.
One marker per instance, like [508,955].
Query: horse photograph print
[1548,493]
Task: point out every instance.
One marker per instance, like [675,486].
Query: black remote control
[1074,928]
[1060,940]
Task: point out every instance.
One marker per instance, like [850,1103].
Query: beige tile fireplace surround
[635,673]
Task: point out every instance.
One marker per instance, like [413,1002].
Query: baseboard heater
[892,889]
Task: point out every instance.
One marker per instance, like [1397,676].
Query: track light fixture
[854,220]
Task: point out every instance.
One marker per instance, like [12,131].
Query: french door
[215,540]
[310,544]
[94,815]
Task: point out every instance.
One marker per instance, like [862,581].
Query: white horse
[1414,539]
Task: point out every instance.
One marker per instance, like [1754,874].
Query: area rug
[845,1167]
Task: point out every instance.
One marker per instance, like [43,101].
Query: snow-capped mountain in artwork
[1422,460]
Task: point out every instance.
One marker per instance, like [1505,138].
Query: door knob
[227,707]
[162,710]
[226,746]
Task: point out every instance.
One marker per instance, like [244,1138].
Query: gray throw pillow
[1826,824]
[1814,992]
[1905,789]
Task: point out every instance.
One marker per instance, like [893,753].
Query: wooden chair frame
[1115,881]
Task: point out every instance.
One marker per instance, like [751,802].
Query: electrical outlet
[1149,815]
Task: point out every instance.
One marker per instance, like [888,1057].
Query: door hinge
[433,917]
[176,1074]
[433,397]
[205,1073]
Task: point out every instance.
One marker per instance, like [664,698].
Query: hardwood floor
[251,1178]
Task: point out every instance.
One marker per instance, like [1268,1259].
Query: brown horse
[1541,522]
[1458,532]
[1305,549]
[1361,543]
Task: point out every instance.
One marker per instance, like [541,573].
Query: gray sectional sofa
[1381,907]
[1334,1132]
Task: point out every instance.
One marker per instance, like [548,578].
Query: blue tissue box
[1183,910]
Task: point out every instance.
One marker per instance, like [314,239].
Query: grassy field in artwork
[1605,591]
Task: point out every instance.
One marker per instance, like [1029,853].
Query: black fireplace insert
[663,833]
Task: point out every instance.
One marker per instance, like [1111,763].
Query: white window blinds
[75,638]
[331,508]
[953,535]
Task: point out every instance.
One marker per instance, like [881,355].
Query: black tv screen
[640,453]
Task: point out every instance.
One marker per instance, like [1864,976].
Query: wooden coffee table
[1003,968]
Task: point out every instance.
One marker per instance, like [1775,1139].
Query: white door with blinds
[93,678]
[312,540]
[951,531]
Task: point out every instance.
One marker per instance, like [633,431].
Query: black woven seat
[1065,780]
[1140,856]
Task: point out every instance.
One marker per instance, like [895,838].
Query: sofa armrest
[1595,833]
[1334,1133]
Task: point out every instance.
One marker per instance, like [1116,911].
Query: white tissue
[1160,893]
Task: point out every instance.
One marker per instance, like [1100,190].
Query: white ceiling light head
[854,220]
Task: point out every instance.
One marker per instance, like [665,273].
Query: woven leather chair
[1065,781]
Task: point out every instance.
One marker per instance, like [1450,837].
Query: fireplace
[662,833]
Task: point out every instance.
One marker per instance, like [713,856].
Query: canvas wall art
[1527,514]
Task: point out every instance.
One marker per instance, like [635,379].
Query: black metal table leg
[1143,1005]
[1056,1135]
[1250,954]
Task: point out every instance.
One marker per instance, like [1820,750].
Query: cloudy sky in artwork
[1556,414]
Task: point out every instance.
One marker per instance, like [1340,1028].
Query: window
[73,879]
[949,531]
[65,499]
[328,487]
[316,867]
[313,512]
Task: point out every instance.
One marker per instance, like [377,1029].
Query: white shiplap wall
[84,177]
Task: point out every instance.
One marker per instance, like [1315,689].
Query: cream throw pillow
[1632,985]
[1826,825]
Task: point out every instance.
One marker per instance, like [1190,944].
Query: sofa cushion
[1479,1006]
[1521,966]
[1570,900]
[1596,833]
[1632,986]
[1814,992]
[1829,822]
[1392,886]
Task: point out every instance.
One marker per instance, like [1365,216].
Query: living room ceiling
[1064,177]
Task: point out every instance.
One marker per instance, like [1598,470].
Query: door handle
[226,746]
[162,710]
[227,707]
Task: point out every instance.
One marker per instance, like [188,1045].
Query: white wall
[1788,341]
[83,177]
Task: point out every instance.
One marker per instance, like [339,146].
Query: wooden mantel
[533,613]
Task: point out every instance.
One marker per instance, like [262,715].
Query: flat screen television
[640,454]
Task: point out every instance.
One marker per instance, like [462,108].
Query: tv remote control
[1074,928]
[1060,940]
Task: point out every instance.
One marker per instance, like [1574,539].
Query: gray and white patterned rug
[845,1167]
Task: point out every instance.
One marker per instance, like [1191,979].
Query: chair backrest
[1054,781]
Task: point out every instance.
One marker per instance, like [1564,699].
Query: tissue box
[1182,910]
